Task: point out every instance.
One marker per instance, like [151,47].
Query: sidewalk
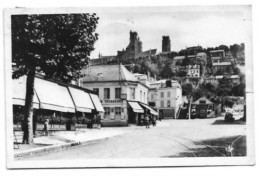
[62,140]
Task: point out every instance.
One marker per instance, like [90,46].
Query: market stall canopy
[202,100]
[53,96]
[97,103]
[149,108]
[136,107]
[81,100]
[19,93]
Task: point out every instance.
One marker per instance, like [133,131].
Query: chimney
[168,83]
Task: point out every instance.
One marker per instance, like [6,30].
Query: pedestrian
[147,124]
[46,127]
[154,121]
[98,121]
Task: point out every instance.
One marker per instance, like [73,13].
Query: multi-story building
[122,95]
[165,96]
[193,71]
[217,56]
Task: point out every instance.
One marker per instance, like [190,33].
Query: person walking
[46,127]
[98,121]
[147,123]
[154,121]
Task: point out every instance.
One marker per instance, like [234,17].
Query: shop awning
[97,103]
[149,108]
[136,107]
[19,93]
[53,96]
[81,100]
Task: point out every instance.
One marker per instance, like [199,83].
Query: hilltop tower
[166,44]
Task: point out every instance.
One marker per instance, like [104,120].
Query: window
[144,96]
[169,94]
[162,104]
[106,93]
[162,94]
[117,92]
[168,103]
[118,112]
[140,95]
[132,93]
[107,112]
[152,96]
[96,90]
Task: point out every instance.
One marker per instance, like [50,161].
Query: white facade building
[116,87]
[193,71]
[166,98]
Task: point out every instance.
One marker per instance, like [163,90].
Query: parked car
[229,115]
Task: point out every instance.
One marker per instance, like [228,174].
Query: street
[170,138]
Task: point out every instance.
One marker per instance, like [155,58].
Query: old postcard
[129,86]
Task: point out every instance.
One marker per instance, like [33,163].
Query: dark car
[229,117]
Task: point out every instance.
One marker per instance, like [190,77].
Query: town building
[193,71]
[145,79]
[52,99]
[122,95]
[234,79]
[217,56]
[166,97]
[101,60]
[222,67]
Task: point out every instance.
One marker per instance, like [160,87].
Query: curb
[56,148]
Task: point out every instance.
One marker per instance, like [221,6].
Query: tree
[166,71]
[234,49]
[224,47]
[238,90]
[56,45]
[187,89]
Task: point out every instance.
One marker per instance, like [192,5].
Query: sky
[207,26]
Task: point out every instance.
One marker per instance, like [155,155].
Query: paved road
[175,138]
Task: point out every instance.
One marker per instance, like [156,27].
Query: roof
[234,76]
[228,76]
[107,73]
[201,54]
[191,56]
[147,53]
[221,63]
[207,101]
[219,77]
[163,82]
[179,57]
[216,51]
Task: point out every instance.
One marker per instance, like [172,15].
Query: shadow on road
[217,148]
[223,122]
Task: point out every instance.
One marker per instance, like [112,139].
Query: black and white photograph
[129,86]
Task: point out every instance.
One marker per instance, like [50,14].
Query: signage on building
[113,101]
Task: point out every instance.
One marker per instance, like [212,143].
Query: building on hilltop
[122,95]
[103,60]
[217,56]
[132,50]
[166,44]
